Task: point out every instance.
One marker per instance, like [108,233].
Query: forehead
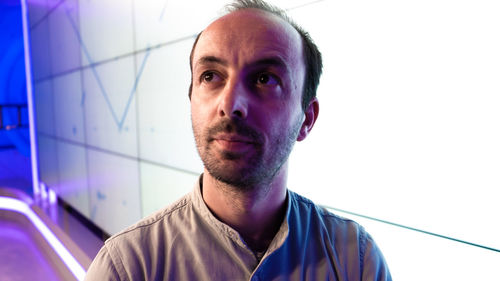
[250,34]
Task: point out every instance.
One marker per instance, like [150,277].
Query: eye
[267,79]
[209,77]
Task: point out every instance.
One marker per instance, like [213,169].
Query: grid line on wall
[118,154]
[414,229]
[113,59]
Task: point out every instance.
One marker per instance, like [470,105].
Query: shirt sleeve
[102,268]
[374,266]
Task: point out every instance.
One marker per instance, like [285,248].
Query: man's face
[248,76]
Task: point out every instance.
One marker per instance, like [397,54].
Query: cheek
[274,125]
[198,109]
[196,117]
[290,124]
[202,107]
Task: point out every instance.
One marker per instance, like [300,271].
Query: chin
[242,178]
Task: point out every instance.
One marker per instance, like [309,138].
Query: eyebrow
[206,60]
[270,61]
[275,61]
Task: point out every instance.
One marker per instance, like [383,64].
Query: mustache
[235,126]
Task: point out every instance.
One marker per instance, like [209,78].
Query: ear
[311,115]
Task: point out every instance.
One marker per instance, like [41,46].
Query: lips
[234,136]
[233,143]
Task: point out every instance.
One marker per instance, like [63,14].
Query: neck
[256,213]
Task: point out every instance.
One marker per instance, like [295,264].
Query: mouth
[234,143]
[234,137]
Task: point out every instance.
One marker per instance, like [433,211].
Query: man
[254,78]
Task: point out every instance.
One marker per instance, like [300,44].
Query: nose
[234,101]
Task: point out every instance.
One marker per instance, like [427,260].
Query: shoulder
[147,235]
[316,213]
[337,229]
[154,222]
[129,253]
[103,267]
[348,239]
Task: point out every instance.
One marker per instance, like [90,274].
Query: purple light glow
[19,206]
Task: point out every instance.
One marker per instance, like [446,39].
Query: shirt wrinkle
[362,249]
[155,218]
[117,260]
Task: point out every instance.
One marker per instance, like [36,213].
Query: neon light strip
[31,106]
[19,206]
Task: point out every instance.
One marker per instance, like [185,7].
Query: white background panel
[408,111]
[73,187]
[289,4]
[48,164]
[165,124]
[160,21]
[110,109]
[68,107]
[114,191]
[44,107]
[106,29]
[161,186]
[415,256]
[64,44]
[39,42]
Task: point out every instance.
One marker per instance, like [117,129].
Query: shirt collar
[199,204]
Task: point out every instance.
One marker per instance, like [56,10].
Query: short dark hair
[312,56]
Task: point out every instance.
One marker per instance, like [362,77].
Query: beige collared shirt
[186,242]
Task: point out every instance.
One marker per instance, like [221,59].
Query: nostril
[221,113]
[233,104]
[238,113]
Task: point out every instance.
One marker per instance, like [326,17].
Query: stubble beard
[248,171]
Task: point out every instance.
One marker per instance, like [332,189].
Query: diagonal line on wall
[415,229]
[119,120]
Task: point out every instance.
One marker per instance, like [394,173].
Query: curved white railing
[16,205]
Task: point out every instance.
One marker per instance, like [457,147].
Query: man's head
[248,79]
[311,53]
